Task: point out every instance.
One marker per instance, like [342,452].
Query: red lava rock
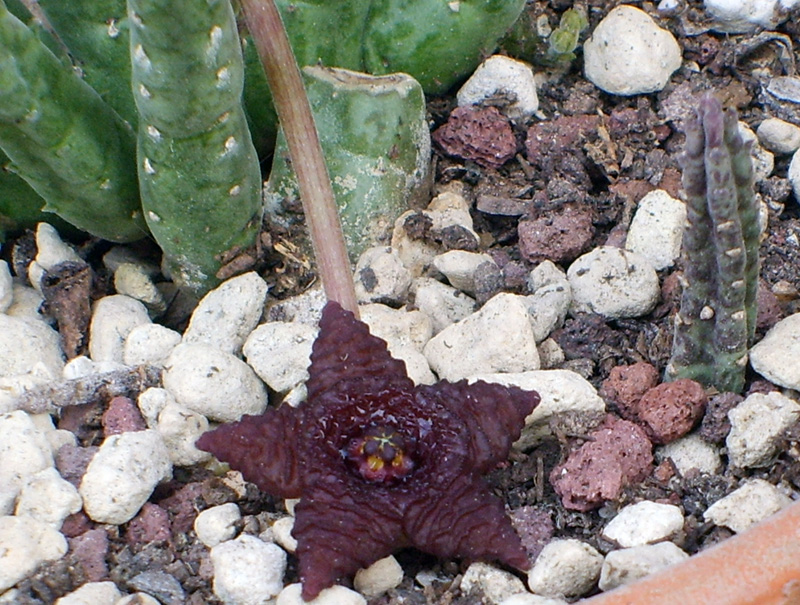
[716,426]
[625,386]
[617,454]
[769,308]
[671,409]
[664,471]
[89,551]
[556,146]
[184,505]
[150,525]
[71,462]
[481,134]
[534,527]
[560,235]
[122,416]
[76,524]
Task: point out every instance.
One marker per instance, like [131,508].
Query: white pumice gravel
[149,344]
[763,160]
[123,474]
[614,283]
[565,568]
[131,279]
[443,304]
[24,451]
[656,230]
[526,598]
[691,453]
[26,344]
[226,315]
[48,498]
[493,584]
[280,353]
[138,598]
[247,571]
[26,544]
[6,287]
[779,136]
[497,338]
[282,533]
[768,356]
[629,564]
[217,524]
[180,427]
[380,577]
[549,302]
[758,426]
[335,595]
[567,400]
[113,318]
[644,523]
[51,251]
[26,303]
[754,501]
[793,174]
[459,267]
[501,75]
[398,327]
[742,16]
[629,54]
[451,209]
[92,593]
[214,383]
[381,277]
[416,254]
[151,401]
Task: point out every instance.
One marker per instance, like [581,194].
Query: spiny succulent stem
[265,25]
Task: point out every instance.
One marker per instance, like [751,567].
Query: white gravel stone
[628,54]
[119,255]
[629,564]
[740,16]
[25,344]
[48,498]
[614,283]
[93,593]
[492,584]
[26,544]
[459,267]
[24,451]
[383,575]
[135,281]
[565,568]
[59,438]
[81,366]
[217,524]
[247,571]
[304,308]
[282,533]
[527,598]
[151,402]
[657,229]
[498,338]
[335,595]
[443,304]
[691,453]
[758,425]
[180,427]
[416,254]
[549,302]
[14,387]
[138,598]
[763,160]
[214,383]
[123,474]
[227,314]
[25,304]
[6,287]
[778,136]
[398,327]
[753,502]
[501,75]
[768,356]
[50,252]
[794,174]
[280,352]
[644,523]
[567,400]
[113,318]
[380,276]
[451,209]
[149,344]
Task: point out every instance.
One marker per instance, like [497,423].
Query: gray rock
[794,174]
[740,16]
[6,287]
[159,584]
[24,451]
[50,251]
[779,136]
[48,498]
[180,428]
[217,524]
[550,300]
[133,280]
[335,595]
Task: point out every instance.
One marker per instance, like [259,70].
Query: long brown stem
[265,25]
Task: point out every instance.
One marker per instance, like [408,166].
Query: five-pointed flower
[381,464]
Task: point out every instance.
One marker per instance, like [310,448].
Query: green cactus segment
[68,144]
[376,143]
[198,170]
[95,31]
[20,206]
[716,321]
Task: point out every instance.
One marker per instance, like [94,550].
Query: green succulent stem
[294,112]
[716,321]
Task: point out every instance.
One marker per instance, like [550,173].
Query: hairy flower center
[380,455]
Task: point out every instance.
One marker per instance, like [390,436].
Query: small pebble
[26,344]
[691,453]
[213,383]
[93,593]
[380,577]
[6,287]
[133,280]
[280,353]
[624,566]
[628,54]
[758,427]
[226,315]
[794,174]
[626,385]
[656,230]
[459,267]
[753,502]
[560,235]
[247,570]
[149,344]
[498,338]
[449,212]
[743,16]
[768,356]
[138,598]
[381,277]
[527,598]
[398,327]
[480,134]
[24,451]
[26,544]
[644,523]
[763,160]
[217,524]
[506,77]
[113,318]
[25,304]
[48,498]
[443,304]
[151,402]
[160,584]
[671,409]
[121,416]
[180,428]
[335,595]
[565,568]
[415,250]
[614,283]
[550,299]
[778,136]
[50,252]
[123,474]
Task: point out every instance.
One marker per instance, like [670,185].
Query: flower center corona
[380,455]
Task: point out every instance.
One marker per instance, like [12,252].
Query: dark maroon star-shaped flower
[381,464]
